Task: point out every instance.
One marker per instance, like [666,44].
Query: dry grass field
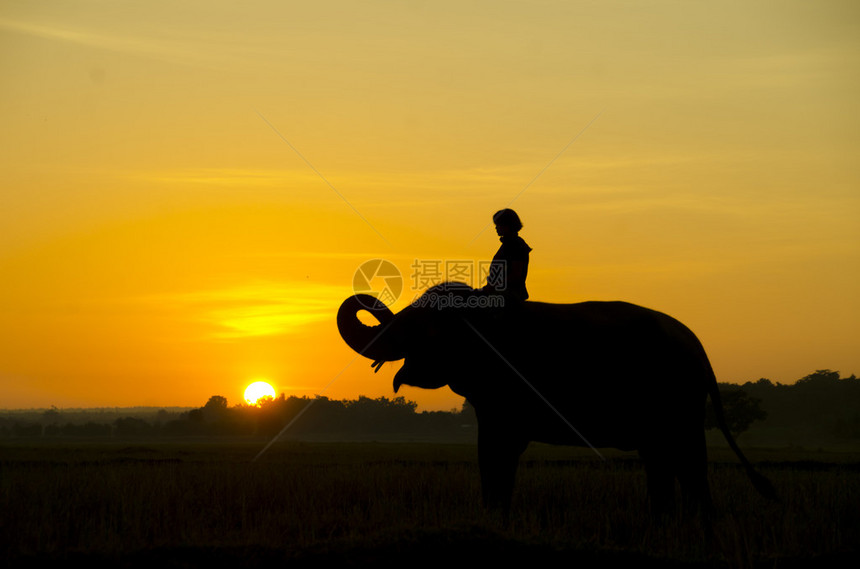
[192,504]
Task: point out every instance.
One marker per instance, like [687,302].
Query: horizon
[282,394]
[190,191]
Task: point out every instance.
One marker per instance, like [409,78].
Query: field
[189,504]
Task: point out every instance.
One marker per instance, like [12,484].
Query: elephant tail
[759,481]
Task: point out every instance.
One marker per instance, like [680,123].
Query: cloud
[162,48]
[256,309]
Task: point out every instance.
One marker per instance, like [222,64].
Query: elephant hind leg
[696,499]
[693,479]
[696,494]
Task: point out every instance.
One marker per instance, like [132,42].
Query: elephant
[604,374]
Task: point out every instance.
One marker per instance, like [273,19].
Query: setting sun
[258,390]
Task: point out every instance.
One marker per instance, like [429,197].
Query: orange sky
[161,242]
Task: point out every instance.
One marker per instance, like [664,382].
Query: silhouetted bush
[740,410]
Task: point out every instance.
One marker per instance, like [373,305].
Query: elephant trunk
[374,342]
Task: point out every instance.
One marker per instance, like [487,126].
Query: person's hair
[508,217]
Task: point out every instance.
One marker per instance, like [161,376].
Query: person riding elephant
[510,265]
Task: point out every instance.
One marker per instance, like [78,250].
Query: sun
[257,391]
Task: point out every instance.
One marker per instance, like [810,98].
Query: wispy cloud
[229,177]
[256,309]
[176,50]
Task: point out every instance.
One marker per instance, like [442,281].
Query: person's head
[507,222]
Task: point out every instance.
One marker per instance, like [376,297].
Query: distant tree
[467,414]
[381,413]
[820,377]
[215,410]
[266,399]
[740,411]
[132,427]
[216,403]
[270,414]
[162,417]
[89,429]
[51,416]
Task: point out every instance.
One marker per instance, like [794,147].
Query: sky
[188,188]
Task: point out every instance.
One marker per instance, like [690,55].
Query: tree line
[819,407]
[305,416]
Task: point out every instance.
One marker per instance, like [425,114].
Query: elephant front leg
[498,458]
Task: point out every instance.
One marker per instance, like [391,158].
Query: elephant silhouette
[599,374]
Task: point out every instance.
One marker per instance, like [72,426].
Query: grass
[195,503]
